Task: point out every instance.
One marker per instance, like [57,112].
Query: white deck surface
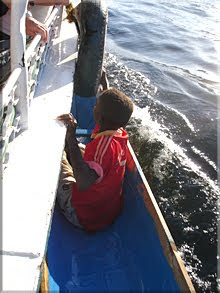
[30,180]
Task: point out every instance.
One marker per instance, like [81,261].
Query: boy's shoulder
[107,143]
[119,133]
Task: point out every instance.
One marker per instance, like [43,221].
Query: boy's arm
[84,176]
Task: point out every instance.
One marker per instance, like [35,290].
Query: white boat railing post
[18,47]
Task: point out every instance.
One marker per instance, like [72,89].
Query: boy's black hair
[116,108]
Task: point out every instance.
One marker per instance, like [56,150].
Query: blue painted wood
[83,132]
[126,257]
[82,109]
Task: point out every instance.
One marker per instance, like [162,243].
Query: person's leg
[64,191]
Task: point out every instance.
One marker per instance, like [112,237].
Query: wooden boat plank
[166,239]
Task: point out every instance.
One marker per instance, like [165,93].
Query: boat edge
[166,239]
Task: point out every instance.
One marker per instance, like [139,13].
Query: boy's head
[113,109]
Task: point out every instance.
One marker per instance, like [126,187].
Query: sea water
[166,55]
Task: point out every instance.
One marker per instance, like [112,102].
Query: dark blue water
[166,56]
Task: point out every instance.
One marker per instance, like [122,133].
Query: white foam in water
[122,75]
[201,154]
[155,132]
[188,123]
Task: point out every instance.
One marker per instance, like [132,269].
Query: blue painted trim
[125,257]
[82,109]
[83,132]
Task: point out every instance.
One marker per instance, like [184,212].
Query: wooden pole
[44,286]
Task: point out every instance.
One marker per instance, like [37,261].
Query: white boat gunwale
[35,155]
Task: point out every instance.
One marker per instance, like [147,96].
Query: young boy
[92,198]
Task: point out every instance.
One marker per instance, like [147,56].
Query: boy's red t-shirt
[98,206]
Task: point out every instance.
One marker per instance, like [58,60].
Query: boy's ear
[101,119]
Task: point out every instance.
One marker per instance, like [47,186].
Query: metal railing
[27,63]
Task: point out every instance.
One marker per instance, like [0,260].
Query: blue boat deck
[126,257]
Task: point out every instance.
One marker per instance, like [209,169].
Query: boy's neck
[105,128]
